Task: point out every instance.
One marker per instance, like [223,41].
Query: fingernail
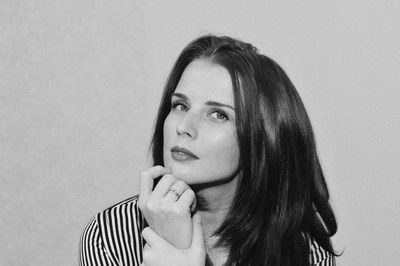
[198,218]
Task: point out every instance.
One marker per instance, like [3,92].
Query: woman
[236,180]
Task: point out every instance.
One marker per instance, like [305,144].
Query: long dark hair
[282,201]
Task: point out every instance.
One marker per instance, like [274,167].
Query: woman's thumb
[197,238]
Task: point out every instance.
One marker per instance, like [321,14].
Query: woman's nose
[187,126]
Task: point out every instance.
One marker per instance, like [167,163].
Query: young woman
[236,177]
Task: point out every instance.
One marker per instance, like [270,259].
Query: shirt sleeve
[91,250]
[319,256]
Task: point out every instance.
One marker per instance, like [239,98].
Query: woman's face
[200,144]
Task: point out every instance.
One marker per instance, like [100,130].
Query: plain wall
[80,83]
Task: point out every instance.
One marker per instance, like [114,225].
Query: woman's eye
[179,106]
[219,115]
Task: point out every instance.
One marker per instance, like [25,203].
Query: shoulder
[115,233]
[119,212]
[120,219]
[319,256]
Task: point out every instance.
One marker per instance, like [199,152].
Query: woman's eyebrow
[212,103]
[180,95]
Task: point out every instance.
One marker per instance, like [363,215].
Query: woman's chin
[182,171]
[179,173]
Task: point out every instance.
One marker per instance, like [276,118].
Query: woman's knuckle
[145,231]
[166,207]
[158,167]
[178,210]
[182,185]
[179,183]
[168,177]
[186,186]
[190,192]
[163,207]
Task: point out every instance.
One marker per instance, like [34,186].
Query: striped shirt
[113,238]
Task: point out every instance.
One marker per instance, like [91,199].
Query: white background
[80,82]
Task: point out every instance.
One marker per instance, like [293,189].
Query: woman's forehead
[203,79]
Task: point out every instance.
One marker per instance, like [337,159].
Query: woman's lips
[182,154]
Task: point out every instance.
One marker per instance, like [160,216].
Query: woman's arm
[113,236]
[91,250]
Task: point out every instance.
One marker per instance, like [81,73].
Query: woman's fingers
[158,251]
[188,200]
[147,180]
[197,238]
[164,185]
[167,218]
[152,239]
[155,241]
[176,191]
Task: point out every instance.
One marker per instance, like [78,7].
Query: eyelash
[177,103]
[220,111]
[213,110]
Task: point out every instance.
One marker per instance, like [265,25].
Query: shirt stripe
[113,238]
[319,256]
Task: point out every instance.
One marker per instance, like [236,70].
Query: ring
[175,192]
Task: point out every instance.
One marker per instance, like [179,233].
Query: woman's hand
[167,208]
[158,252]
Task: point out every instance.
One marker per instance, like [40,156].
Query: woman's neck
[218,202]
